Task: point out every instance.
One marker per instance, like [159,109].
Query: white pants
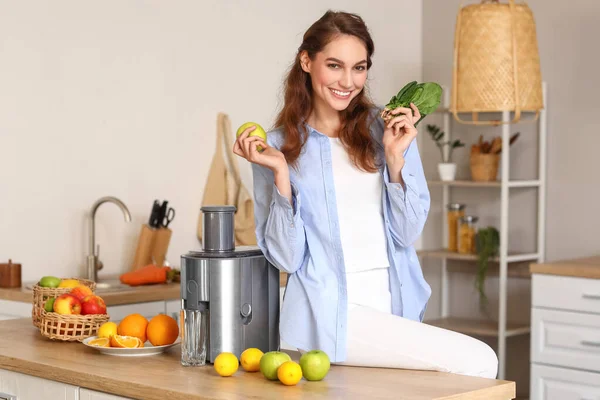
[377,338]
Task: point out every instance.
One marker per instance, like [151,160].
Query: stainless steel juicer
[229,294]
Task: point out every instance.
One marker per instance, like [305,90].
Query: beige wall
[568,39]
[120,98]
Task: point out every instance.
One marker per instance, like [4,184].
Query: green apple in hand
[259,131]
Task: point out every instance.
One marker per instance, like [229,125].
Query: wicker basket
[484,167]
[70,327]
[41,294]
[496,61]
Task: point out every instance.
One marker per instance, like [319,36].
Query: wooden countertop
[588,267]
[137,294]
[23,349]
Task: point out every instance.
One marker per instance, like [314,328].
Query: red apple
[93,304]
[67,304]
[81,292]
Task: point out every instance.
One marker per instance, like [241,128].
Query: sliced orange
[129,342]
[100,342]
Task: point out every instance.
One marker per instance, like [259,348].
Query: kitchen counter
[588,267]
[137,294]
[24,350]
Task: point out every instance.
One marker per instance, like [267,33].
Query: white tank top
[362,231]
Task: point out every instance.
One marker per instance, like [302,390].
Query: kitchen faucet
[92,259]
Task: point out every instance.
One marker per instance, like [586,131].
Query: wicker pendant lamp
[496,61]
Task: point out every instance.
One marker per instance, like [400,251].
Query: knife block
[152,247]
[143,253]
[162,238]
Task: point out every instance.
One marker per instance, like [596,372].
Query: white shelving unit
[502,330]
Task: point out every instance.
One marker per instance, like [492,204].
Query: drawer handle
[591,296]
[6,396]
[588,343]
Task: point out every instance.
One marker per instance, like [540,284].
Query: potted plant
[487,244]
[446,169]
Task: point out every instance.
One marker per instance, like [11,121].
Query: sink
[115,285]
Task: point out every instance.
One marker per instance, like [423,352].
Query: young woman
[340,197]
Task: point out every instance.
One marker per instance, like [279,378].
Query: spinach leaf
[426,96]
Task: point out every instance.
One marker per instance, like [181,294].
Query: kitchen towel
[224,186]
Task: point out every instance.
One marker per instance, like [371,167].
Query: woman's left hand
[398,134]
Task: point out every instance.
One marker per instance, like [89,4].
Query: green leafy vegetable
[426,96]
[487,243]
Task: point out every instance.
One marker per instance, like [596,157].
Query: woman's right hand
[247,147]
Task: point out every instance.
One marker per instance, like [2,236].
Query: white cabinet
[148,310]
[87,394]
[552,383]
[14,309]
[17,386]
[565,338]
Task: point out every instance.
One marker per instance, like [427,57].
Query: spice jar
[455,211]
[466,234]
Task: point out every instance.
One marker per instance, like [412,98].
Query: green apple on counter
[259,131]
[315,365]
[50,281]
[270,362]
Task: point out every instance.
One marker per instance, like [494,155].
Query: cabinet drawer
[550,383]
[566,293]
[566,339]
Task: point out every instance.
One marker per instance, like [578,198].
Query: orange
[289,373]
[133,325]
[130,342]
[250,359]
[100,342]
[162,330]
[226,364]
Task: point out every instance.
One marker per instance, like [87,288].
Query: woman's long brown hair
[354,131]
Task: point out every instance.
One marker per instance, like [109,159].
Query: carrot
[145,275]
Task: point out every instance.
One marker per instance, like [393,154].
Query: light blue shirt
[303,239]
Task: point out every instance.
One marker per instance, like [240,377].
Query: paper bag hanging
[496,61]
[224,186]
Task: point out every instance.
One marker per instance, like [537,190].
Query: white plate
[147,350]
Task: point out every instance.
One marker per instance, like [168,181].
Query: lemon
[69,283]
[226,364]
[289,373]
[250,359]
[107,330]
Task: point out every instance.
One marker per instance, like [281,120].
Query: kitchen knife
[154,221]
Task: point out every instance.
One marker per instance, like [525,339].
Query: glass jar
[194,337]
[466,234]
[455,211]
